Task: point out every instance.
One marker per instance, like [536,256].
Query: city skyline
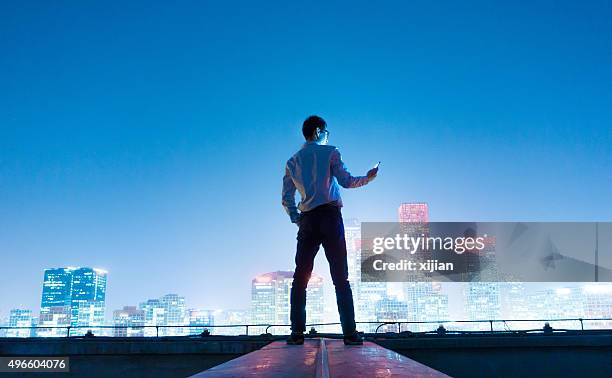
[424,301]
[71,296]
[153,144]
[407,212]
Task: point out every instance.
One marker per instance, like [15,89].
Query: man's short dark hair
[310,125]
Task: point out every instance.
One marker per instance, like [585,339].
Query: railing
[440,330]
[442,322]
[142,327]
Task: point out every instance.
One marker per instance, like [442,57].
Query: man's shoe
[296,338]
[355,339]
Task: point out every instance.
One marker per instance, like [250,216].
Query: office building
[82,289]
[167,313]
[270,300]
[20,318]
[130,322]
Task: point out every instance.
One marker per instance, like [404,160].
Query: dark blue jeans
[322,225]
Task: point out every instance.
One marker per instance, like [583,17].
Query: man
[315,171]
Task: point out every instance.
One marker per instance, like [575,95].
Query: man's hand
[297,220]
[372,173]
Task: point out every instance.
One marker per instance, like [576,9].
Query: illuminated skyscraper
[482,301]
[89,315]
[198,317]
[57,288]
[88,297]
[413,212]
[154,315]
[557,303]
[55,316]
[81,289]
[598,303]
[315,302]
[20,318]
[414,219]
[270,299]
[513,300]
[168,310]
[425,300]
[390,309]
[365,294]
[377,301]
[128,317]
[370,293]
[352,235]
[591,301]
[176,313]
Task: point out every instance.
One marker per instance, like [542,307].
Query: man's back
[316,171]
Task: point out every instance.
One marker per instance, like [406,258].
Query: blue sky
[150,138]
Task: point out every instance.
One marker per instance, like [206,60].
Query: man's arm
[289,197]
[344,177]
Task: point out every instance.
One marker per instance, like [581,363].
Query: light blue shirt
[315,171]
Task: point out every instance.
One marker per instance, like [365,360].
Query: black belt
[329,205]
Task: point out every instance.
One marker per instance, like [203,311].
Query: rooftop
[500,354]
